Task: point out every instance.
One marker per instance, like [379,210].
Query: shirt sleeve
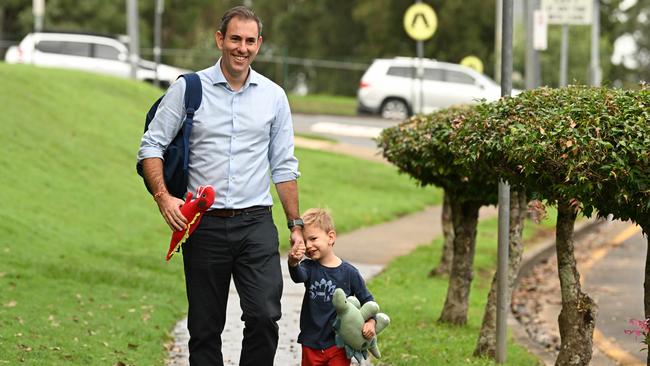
[299,273]
[284,164]
[165,124]
[359,289]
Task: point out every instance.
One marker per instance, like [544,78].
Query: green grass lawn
[83,279]
[414,302]
[323,104]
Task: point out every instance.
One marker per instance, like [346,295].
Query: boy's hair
[319,217]
[239,12]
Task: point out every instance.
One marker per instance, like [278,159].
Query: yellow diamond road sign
[420,21]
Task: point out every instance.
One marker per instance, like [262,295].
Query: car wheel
[394,109]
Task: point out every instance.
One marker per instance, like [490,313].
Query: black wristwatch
[296,222]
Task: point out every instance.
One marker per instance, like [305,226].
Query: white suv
[88,52]
[392,88]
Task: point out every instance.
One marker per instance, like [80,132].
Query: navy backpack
[177,155]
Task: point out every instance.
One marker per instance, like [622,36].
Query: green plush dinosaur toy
[349,323]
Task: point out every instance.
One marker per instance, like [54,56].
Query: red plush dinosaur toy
[193,211]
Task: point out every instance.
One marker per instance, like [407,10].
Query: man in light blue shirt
[242,132]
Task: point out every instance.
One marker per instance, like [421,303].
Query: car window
[105,52]
[434,74]
[66,48]
[459,77]
[49,46]
[402,71]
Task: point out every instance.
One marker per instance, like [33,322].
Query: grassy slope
[82,276]
[323,104]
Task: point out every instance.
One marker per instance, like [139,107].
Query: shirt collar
[218,77]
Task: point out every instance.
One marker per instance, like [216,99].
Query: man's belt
[232,212]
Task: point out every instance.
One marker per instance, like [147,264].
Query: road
[358,131]
[615,281]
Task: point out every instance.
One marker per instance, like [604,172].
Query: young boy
[322,273]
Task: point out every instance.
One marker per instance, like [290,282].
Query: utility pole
[504,194]
[595,76]
[160,8]
[38,8]
[134,36]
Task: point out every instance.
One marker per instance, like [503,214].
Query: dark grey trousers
[246,248]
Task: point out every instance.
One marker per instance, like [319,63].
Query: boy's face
[318,242]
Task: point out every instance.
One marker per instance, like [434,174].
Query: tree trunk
[444,266]
[578,316]
[487,339]
[646,283]
[465,218]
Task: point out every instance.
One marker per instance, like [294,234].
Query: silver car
[393,88]
[87,52]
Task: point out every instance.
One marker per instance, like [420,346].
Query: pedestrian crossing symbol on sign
[420,21]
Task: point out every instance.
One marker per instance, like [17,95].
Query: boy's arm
[298,273]
[359,289]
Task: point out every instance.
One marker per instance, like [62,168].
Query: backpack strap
[193,96]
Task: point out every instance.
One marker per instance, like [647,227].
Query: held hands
[368,330]
[298,248]
[169,207]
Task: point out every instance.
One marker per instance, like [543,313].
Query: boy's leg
[258,278]
[336,357]
[313,357]
[207,262]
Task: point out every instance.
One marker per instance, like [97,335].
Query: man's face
[238,47]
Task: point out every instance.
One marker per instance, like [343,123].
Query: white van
[392,88]
[87,52]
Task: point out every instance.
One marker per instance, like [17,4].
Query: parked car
[392,88]
[88,52]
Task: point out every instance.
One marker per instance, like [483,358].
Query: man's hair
[319,217]
[239,12]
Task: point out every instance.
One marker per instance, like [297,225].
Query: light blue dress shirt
[237,139]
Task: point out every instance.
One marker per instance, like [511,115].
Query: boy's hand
[296,253]
[368,330]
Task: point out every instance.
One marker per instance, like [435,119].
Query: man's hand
[169,207]
[296,238]
[297,250]
[368,330]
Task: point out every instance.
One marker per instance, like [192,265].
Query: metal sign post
[504,195]
[532,56]
[595,46]
[420,23]
[574,12]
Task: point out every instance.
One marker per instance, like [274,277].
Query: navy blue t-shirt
[317,314]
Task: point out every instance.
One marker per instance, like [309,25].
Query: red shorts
[332,356]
